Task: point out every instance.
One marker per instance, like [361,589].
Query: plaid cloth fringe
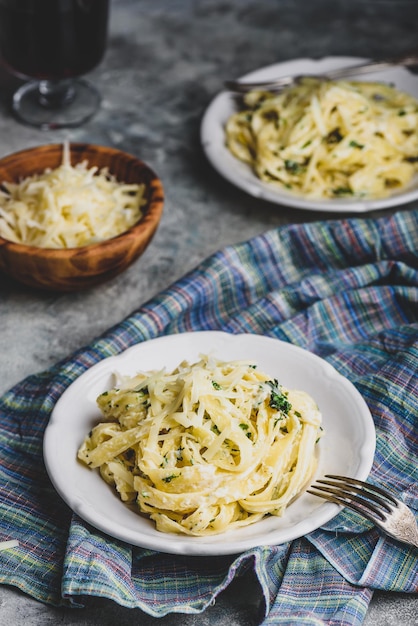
[346,290]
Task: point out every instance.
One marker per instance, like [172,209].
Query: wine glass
[53,43]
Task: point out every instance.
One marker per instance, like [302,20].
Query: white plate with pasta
[346,447]
[338,158]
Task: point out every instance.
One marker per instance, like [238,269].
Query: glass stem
[54,94]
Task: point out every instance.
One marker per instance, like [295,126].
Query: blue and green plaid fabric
[346,290]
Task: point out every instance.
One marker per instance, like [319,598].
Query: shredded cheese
[68,207]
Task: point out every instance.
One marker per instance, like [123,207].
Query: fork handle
[406,60]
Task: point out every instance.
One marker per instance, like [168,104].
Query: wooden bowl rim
[146,223]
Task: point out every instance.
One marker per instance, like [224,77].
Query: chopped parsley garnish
[342,191]
[278,400]
[294,167]
[321,429]
[271,115]
[334,136]
[168,479]
[245,427]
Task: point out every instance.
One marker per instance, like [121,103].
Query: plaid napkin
[346,290]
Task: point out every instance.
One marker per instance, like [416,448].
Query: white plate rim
[75,483]
[240,174]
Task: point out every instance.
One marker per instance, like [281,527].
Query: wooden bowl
[72,269]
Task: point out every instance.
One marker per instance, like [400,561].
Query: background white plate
[347,447]
[241,175]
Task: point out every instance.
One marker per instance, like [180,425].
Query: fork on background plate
[282,82]
[379,506]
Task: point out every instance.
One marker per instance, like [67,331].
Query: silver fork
[283,82]
[379,506]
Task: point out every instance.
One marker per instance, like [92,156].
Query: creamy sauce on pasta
[208,447]
[329,139]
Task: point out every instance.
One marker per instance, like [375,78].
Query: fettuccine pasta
[208,447]
[329,139]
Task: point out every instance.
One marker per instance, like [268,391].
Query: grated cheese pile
[68,207]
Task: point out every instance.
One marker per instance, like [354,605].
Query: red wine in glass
[54,43]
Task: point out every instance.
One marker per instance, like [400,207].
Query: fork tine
[396,519]
[342,502]
[366,486]
[349,500]
[363,491]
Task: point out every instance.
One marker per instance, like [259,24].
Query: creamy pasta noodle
[208,447]
[329,139]
[68,207]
